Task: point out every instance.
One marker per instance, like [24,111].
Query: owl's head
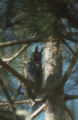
[36,55]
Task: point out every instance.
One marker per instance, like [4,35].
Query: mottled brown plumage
[33,72]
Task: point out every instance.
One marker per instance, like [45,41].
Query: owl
[33,73]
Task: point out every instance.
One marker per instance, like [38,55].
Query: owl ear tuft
[36,50]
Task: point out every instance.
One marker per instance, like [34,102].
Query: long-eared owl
[33,72]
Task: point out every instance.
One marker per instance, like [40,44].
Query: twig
[13,57]
[38,111]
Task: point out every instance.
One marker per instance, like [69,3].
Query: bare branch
[10,102]
[16,42]
[69,70]
[13,57]
[69,48]
[20,102]
[71,39]
[38,111]
[6,94]
[72,33]
[70,97]
[17,92]
[69,113]
[18,75]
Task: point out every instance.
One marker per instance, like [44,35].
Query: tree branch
[70,97]
[10,102]
[72,33]
[69,48]
[18,75]
[20,102]
[71,39]
[69,70]
[69,113]
[6,94]
[38,111]
[16,42]
[17,92]
[13,57]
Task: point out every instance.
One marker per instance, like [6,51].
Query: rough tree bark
[55,105]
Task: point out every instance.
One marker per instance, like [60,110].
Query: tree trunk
[55,106]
